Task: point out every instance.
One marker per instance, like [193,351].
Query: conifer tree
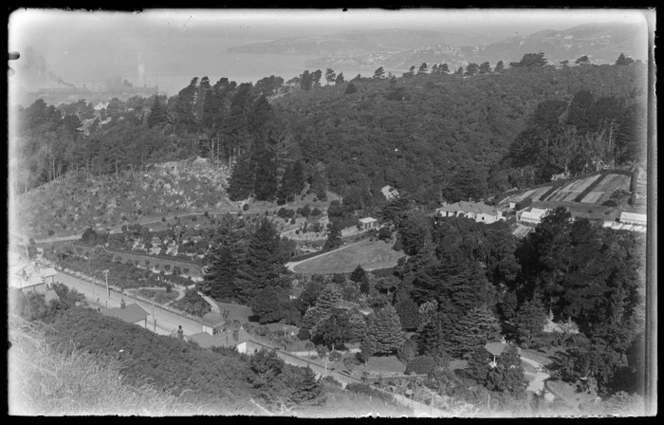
[262,264]
[358,326]
[529,321]
[333,235]
[328,298]
[220,274]
[358,274]
[408,313]
[474,330]
[385,331]
[433,338]
[242,181]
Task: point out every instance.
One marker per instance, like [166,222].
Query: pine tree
[500,66]
[385,331]
[220,274]
[333,235]
[474,330]
[307,390]
[358,326]
[530,320]
[262,264]
[358,274]
[433,337]
[265,172]
[242,181]
[408,314]
[157,113]
[328,298]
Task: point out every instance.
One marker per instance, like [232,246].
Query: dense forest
[432,134]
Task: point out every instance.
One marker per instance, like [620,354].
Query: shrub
[139,212]
[245,207]
[338,278]
[206,214]
[293,221]
[384,233]
[421,365]
[335,356]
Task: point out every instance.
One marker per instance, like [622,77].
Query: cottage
[212,323]
[477,211]
[367,223]
[533,216]
[132,313]
[31,276]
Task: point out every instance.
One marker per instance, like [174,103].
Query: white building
[477,211]
[633,218]
[533,216]
[367,223]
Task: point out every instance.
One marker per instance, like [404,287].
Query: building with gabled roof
[633,218]
[478,211]
[132,313]
[532,216]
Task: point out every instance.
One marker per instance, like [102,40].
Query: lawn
[368,254]
[236,311]
[159,296]
[387,365]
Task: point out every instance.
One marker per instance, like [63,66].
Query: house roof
[475,207]
[132,313]
[368,220]
[534,214]
[633,217]
[495,348]
[48,272]
[222,339]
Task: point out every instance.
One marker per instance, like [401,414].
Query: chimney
[122,303]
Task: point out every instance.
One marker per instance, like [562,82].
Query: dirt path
[537,383]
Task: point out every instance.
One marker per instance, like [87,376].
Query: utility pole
[108,291]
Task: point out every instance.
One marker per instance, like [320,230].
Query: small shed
[367,223]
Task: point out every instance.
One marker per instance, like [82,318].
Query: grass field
[368,254]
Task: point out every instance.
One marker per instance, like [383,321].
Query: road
[166,321]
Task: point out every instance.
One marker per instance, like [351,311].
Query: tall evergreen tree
[529,322]
[242,182]
[220,274]
[474,330]
[262,264]
[358,274]
[385,331]
[333,235]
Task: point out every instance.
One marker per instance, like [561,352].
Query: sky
[157,44]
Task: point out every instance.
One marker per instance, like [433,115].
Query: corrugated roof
[132,313]
[476,207]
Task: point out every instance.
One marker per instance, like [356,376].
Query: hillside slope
[69,205]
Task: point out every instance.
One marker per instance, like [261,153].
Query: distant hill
[352,43]
[601,43]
